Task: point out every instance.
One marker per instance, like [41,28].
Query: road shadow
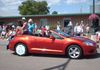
[61,56]
[60,67]
[48,55]
[43,55]
[93,56]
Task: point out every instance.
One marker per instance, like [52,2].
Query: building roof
[47,15]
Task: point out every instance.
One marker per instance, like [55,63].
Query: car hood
[81,38]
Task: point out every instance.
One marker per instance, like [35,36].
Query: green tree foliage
[31,7]
[54,12]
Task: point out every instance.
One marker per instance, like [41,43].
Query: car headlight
[88,43]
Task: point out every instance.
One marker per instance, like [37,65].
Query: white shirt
[47,27]
[58,27]
[79,29]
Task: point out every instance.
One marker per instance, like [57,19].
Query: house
[51,19]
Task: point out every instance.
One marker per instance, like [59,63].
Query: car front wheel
[74,52]
[20,49]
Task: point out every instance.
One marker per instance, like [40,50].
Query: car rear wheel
[20,49]
[74,52]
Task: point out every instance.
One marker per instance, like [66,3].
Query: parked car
[56,43]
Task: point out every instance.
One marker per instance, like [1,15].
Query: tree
[32,7]
[54,12]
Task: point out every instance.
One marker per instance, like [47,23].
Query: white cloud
[51,2]
[75,1]
[11,2]
[55,2]
[1,4]
[10,7]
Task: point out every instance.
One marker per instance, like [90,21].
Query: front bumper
[90,50]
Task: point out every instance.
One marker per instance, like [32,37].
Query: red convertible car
[57,42]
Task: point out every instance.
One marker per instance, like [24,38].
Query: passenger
[49,33]
[19,30]
[43,31]
[36,27]
[38,32]
[25,26]
[31,27]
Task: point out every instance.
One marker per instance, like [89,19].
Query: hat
[23,18]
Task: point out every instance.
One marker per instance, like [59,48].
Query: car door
[37,45]
[51,46]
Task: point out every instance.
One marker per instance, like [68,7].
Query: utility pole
[93,6]
[81,11]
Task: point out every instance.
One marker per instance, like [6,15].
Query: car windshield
[62,33]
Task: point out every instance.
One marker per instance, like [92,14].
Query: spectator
[11,34]
[0,29]
[78,29]
[98,36]
[70,28]
[87,28]
[75,29]
[3,33]
[58,26]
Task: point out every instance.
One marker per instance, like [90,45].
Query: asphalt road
[10,61]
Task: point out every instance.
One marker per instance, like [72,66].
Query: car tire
[20,49]
[74,52]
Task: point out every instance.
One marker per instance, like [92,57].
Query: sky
[10,7]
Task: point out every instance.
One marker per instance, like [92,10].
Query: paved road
[10,61]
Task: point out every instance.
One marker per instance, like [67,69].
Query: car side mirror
[52,37]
